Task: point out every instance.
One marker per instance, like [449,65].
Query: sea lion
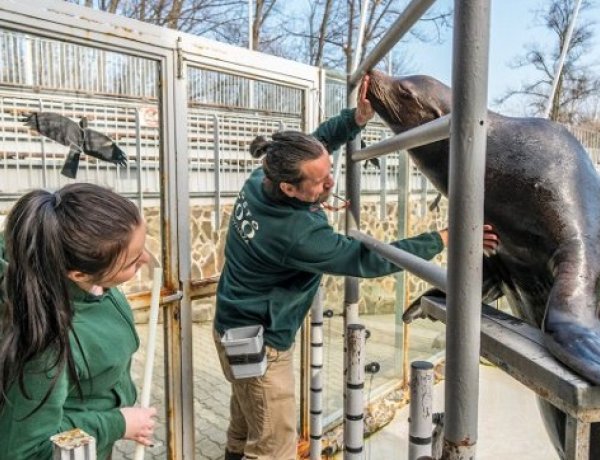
[542,195]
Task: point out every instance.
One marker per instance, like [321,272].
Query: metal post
[74,444]
[305,337]
[138,156]
[175,196]
[217,166]
[424,134]
[43,147]
[466,191]
[412,13]
[355,382]
[383,188]
[316,376]
[401,328]
[428,271]
[351,286]
[577,439]
[421,403]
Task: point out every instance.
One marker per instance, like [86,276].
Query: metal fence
[117,93]
[41,63]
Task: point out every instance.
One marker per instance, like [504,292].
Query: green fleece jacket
[103,339]
[276,253]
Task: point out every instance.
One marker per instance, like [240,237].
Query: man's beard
[323,197]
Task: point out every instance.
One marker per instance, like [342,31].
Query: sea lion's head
[406,102]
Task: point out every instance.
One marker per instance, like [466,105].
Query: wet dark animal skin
[542,195]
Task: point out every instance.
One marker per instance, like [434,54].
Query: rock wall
[377,295]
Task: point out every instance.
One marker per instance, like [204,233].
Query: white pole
[354,398]
[561,59]
[337,156]
[361,34]
[316,376]
[150,346]
[421,402]
[250,20]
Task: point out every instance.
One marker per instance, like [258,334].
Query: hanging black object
[78,137]
[374,161]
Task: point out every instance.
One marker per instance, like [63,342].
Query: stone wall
[378,295]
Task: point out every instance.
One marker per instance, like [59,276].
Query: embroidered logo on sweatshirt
[243,222]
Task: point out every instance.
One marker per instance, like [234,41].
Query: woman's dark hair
[82,227]
[283,157]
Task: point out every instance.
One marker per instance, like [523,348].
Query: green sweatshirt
[103,339]
[276,253]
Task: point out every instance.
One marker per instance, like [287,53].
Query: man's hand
[490,239]
[364,110]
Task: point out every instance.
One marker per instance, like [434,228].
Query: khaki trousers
[262,422]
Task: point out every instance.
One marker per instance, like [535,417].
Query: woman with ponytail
[66,333]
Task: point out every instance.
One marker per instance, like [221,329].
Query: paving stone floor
[211,390]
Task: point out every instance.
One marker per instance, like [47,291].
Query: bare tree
[577,82]
[262,10]
[328,39]
[209,18]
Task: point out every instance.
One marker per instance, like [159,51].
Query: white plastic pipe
[150,346]
[561,59]
[421,403]
[316,376]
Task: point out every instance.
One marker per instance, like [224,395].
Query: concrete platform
[510,427]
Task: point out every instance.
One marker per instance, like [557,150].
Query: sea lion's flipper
[490,290]
[492,279]
[577,345]
[415,311]
[571,326]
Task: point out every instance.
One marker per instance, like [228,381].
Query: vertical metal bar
[4,152]
[423,209]
[43,148]
[316,376]
[355,382]
[305,374]
[421,404]
[138,156]
[466,192]
[217,172]
[174,182]
[401,329]
[383,188]
[305,338]
[351,286]
[577,439]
